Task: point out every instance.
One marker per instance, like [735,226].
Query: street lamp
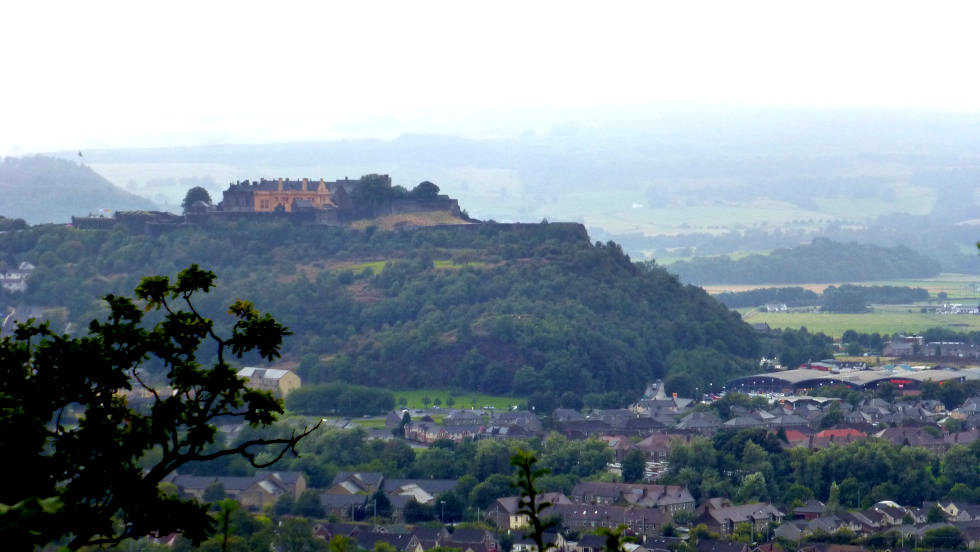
[442,511]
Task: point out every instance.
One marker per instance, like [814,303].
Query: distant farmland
[885,319]
[956,286]
[960,288]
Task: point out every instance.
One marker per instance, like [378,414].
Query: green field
[885,319]
[378,266]
[462,399]
[959,287]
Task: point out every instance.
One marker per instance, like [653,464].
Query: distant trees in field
[822,260]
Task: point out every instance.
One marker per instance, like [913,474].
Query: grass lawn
[372,423]
[462,399]
[885,319]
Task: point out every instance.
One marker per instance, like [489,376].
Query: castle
[283,195]
[305,201]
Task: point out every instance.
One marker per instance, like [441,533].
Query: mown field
[461,399]
[884,319]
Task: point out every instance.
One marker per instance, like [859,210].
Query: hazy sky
[90,74]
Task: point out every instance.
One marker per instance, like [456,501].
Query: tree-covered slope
[822,260]
[497,308]
[45,189]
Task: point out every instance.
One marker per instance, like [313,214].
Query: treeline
[340,399]
[8,224]
[850,298]
[790,296]
[822,260]
[467,307]
[794,347]
[845,298]
[751,465]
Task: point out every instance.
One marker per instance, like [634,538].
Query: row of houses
[910,522]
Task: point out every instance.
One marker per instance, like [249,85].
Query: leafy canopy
[76,438]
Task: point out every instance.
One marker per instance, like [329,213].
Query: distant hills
[664,183]
[46,189]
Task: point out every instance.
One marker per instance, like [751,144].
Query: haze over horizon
[119,75]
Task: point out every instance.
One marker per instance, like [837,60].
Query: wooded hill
[822,260]
[495,308]
[45,189]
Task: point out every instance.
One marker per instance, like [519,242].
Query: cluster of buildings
[910,522]
[15,281]
[915,346]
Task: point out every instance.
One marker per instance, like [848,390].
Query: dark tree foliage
[425,190]
[340,399]
[822,260]
[633,466]
[794,347]
[864,471]
[75,441]
[845,298]
[8,224]
[194,195]
[791,296]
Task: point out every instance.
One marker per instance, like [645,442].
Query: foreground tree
[76,448]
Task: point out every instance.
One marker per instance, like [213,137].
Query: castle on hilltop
[283,195]
[304,201]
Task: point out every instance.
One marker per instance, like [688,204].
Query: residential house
[525,544]
[892,513]
[255,491]
[327,531]
[463,417]
[344,505]
[471,540]
[522,418]
[711,545]
[502,432]
[280,382]
[811,510]
[721,516]
[620,445]
[431,537]
[589,517]
[656,446]
[402,542]
[589,543]
[504,511]
[583,429]
[393,420]
[914,436]
[700,422]
[666,498]
[559,415]
[423,491]
[355,483]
